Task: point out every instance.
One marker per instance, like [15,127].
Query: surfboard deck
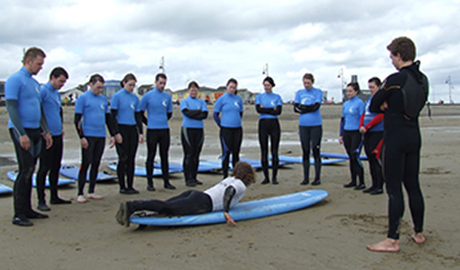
[5,189]
[324,161]
[61,182]
[242,211]
[340,155]
[204,166]
[257,164]
[71,172]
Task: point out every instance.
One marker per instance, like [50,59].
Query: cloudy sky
[211,41]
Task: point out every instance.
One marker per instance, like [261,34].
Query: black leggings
[187,203]
[26,165]
[90,156]
[192,143]
[351,141]
[230,140]
[127,154]
[158,137]
[269,128]
[50,161]
[371,140]
[311,136]
[401,163]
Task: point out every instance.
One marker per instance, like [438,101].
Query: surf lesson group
[387,126]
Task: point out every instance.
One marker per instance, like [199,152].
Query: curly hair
[244,172]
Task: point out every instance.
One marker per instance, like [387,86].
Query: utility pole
[265,70]
[162,65]
[449,82]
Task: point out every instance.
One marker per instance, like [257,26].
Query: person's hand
[48,140]
[112,142]
[261,106]
[384,106]
[62,132]
[25,142]
[84,143]
[341,139]
[362,130]
[229,219]
[118,138]
[141,138]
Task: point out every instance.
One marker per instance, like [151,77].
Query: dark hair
[269,80]
[232,80]
[96,78]
[128,77]
[404,46]
[160,75]
[193,84]
[376,81]
[244,172]
[32,53]
[354,85]
[309,76]
[58,71]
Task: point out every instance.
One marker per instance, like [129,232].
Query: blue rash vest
[192,104]
[127,104]
[26,91]
[351,112]
[230,106]
[93,110]
[158,105]
[51,102]
[368,116]
[270,100]
[310,97]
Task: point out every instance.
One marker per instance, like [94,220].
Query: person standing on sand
[401,98]
[91,116]
[50,159]
[27,121]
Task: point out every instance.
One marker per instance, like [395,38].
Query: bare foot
[94,196]
[387,245]
[81,199]
[418,238]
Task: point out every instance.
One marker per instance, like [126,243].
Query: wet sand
[330,235]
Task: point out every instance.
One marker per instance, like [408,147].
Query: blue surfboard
[242,211]
[257,164]
[340,155]
[173,167]
[5,189]
[204,166]
[71,171]
[324,161]
[13,174]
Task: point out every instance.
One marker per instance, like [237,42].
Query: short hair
[269,80]
[376,81]
[354,85]
[96,78]
[128,77]
[309,76]
[404,46]
[232,80]
[57,72]
[244,172]
[32,53]
[193,84]
[160,75]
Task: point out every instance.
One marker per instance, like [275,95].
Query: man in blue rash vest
[222,196]
[307,103]
[159,109]
[50,159]
[269,105]
[231,131]
[124,108]
[194,110]
[27,121]
[91,116]
[402,97]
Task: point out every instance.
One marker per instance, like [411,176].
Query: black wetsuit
[162,138]
[230,139]
[401,145]
[50,161]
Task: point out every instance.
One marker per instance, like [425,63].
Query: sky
[211,41]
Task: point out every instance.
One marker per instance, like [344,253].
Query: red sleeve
[377,119]
[361,120]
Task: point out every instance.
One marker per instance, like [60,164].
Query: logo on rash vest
[102,106]
[273,103]
[132,106]
[164,103]
[236,104]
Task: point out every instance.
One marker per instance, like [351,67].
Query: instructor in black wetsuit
[401,98]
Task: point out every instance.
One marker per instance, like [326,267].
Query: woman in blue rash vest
[124,107]
[222,196]
[307,103]
[269,106]
[91,116]
[371,126]
[194,110]
[231,131]
[352,110]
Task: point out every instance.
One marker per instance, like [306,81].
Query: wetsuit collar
[25,72]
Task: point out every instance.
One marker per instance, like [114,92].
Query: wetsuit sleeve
[43,122]
[377,119]
[270,111]
[139,121]
[230,191]
[12,108]
[144,119]
[77,122]
[241,114]
[361,120]
[61,113]
[113,128]
[114,113]
[216,118]
[169,115]
[299,108]
[342,125]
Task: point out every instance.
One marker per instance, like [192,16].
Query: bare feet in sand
[418,238]
[387,245]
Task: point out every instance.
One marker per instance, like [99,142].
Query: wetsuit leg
[164,151]
[55,167]
[198,146]
[305,136]
[50,161]
[131,161]
[237,140]
[412,186]
[98,150]
[152,141]
[263,142]
[226,142]
[187,147]
[275,135]
[315,137]
[371,140]
[123,152]
[351,141]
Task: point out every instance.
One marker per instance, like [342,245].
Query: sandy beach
[330,235]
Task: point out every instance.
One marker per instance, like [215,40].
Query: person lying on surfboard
[221,196]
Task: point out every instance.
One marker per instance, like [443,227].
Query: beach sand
[330,235]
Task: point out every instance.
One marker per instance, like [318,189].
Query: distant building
[210,95]
[2,89]
[364,94]
[110,88]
